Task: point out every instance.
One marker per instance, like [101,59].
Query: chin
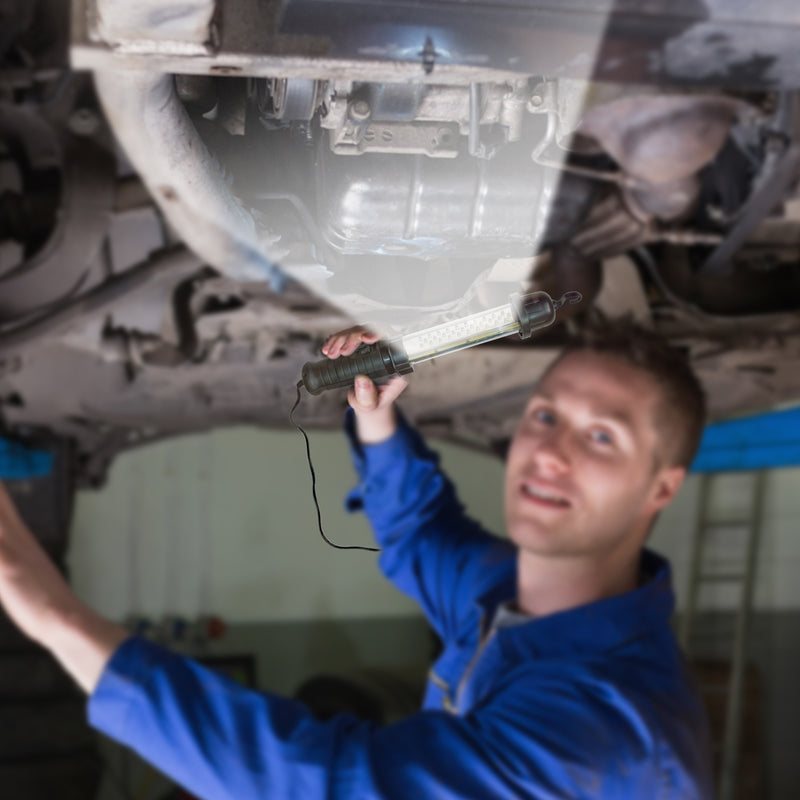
[534,537]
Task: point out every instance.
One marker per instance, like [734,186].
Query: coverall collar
[594,627]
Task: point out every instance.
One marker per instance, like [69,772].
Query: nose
[552,451]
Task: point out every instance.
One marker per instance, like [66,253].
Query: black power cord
[314,483]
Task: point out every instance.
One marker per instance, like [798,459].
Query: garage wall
[223,522]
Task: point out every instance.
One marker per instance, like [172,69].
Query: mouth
[546,497]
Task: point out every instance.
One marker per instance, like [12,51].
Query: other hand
[38,599]
[32,591]
[346,342]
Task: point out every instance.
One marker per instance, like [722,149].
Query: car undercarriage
[195,195]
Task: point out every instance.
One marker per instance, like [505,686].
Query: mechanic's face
[584,476]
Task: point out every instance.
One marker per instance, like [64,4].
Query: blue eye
[544,416]
[601,437]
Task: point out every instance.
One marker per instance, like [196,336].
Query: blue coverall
[593,702]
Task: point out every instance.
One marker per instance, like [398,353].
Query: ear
[665,486]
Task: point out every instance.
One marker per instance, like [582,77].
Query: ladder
[738,569]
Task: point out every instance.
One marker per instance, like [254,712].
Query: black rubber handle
[376,361]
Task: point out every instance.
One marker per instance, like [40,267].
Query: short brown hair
[682,411]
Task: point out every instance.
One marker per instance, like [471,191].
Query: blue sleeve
[224,742]
[430,549]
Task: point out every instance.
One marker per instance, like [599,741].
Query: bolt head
[84,122]
[360,109]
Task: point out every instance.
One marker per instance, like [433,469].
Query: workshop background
[223,525]
[115,334]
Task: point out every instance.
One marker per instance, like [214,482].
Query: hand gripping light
[523,314]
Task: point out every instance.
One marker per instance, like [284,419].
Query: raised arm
[431,549]
[44,607]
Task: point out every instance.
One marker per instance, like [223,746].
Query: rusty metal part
[632,215]
[291,99]
[184,178]
[667,201]
[752,292]
[177,263]
[197,91]
[684,237]
[560,102]
[662,139]
[399,118]
[148,25]
[131,194]
[690,42]
[759,204]
[609,229]
[60,266]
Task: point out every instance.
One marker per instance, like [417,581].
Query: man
[559,676]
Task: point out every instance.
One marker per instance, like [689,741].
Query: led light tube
[460,333]
[523,314]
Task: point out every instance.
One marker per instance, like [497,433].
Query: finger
[365,393]
[392,390]
[356,337]
[342,346]
[352,343]
[346,342]
[333,346]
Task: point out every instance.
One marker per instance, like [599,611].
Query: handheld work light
[523,314]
